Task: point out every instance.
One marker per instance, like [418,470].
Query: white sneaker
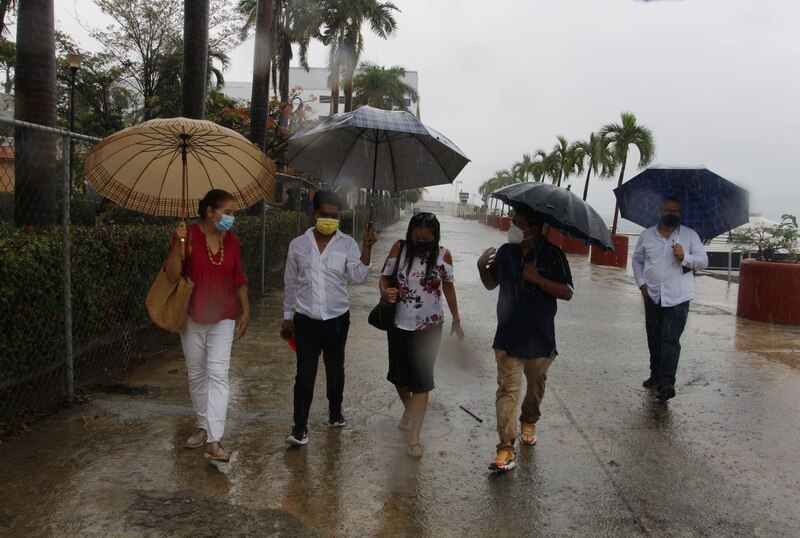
[294,441]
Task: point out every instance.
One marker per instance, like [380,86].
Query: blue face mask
[225,223]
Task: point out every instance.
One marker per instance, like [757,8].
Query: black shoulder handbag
[382,316]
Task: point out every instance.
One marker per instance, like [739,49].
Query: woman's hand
[241,326]
[389,295]
[180,231]
[456,329]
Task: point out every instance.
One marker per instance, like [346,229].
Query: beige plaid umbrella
[165,166]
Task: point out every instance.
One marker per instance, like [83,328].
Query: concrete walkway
[721,459]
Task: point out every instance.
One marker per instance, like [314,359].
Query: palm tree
[6,7]
[195,58]
[565,159]
[596,155]
[298,22]
[35,101]
[342,34]
[262,59]
[527,169]
[547,165]
[621,136]
[382,87]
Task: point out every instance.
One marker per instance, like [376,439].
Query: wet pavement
[721,459]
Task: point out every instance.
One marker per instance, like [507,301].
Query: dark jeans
[312,337]
[664,325]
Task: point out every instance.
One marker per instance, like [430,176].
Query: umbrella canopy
[563,210]
[379,149]
[711,204]
[162,166]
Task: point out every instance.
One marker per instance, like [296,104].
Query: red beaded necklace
[221,253]
[211,255]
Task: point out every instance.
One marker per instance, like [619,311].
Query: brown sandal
[412,453]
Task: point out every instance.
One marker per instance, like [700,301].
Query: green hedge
[112,270]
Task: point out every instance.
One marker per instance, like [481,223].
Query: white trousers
[207,349]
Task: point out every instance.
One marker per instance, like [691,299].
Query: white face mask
[515,235]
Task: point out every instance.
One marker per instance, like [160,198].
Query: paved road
[718,460]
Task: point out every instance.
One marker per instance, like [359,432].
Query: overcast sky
[717,81]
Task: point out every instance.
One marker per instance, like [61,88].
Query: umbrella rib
[435,158]
[391,157]
[201,163]
[141,174]
[347,154]
[164,177]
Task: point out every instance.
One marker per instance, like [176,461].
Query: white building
[316,93]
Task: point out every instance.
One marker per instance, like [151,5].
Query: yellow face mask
[327,226]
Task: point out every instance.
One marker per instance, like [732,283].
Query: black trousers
[312,337]
[664,325]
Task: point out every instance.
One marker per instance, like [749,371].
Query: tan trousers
[509,385]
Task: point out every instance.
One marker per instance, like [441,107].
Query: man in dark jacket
[532,275]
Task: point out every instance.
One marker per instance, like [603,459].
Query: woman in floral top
[424,282]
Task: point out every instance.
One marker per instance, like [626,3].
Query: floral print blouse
[420,302]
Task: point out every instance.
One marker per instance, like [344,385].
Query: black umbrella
[562,209]
[378,149]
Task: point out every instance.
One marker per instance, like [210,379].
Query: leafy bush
[112,268]
[770,242]
[281,228]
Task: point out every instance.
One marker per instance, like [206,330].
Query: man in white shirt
[316,309]
[663,261]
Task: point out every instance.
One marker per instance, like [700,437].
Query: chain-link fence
[75,268]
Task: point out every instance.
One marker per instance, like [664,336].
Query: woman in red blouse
[215,266]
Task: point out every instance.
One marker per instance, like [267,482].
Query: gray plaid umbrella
[378,149]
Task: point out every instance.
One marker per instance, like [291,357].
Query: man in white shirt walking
[316,309]
[663,261]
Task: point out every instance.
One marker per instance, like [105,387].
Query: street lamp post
[74,61]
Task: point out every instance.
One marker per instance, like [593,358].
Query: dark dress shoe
[665,392]
[650,382]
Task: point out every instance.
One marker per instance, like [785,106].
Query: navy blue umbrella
[711,205]
[562,209]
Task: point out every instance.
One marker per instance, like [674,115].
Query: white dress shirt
[315,284]
[654,264]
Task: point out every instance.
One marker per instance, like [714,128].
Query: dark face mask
[670,221]
[424,246]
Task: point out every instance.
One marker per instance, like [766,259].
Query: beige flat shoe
[197,439]
[216,452]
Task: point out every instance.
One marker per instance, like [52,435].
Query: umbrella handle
[183,244]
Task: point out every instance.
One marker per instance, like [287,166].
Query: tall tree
[35,102]
[547,165]
[298,22]
[597,157]
[566,162]
[103,99]
[342,34]
[622,135]
[8,60]
[144,38]
[527,169]
[382,87]
[7,8]
[195,58]
[262,61]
